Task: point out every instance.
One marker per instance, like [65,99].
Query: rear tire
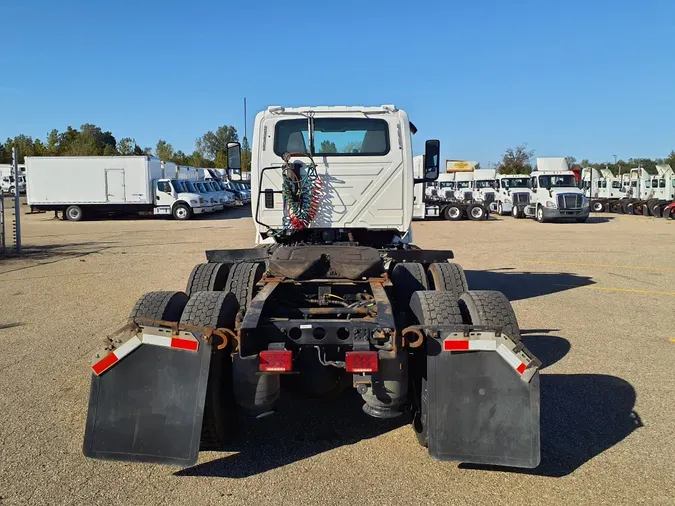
[485,307]
[453,212]
[597,206]
[476,212]
[242,280]
[215,310]
[408,278]
[74,213]
[210,277]
[656,210]
[447,277]
[516,212]
[500,210]
[430,308]
[167,306]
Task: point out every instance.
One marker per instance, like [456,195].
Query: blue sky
[571,78]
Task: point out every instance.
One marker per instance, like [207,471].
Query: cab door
[164,194]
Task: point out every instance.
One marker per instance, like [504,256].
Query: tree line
[90,140]
[519,160]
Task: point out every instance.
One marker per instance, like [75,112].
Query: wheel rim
[597,207]
[540,213]
[499,208]
[514,211]
[181,213]
[73,214]
[476,212]
[453,212]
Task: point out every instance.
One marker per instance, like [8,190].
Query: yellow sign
[459,166]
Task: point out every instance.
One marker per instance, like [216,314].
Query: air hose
[301,193]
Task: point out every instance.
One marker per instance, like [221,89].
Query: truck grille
[468,195]
[489,197]
[569,201]
[521,198]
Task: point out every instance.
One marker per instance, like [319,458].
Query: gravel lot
[595,301]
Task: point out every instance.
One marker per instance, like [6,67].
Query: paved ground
[595,302]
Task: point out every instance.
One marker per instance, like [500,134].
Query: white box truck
[87,185]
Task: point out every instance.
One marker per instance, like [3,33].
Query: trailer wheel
[181,212]
[242,280]
[430,308]
[444,276]
[597,206]
[74,213]
[408,278]
[215,310]
[210,277]
[485,307]
[476,212]
[167,306]
[453,212]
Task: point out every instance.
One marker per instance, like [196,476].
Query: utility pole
[17,201]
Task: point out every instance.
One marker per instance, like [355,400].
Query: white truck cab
[483,187]
[513,194]
[463,185]
[554,192]
[356,161]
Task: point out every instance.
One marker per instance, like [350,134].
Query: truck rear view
[334,297]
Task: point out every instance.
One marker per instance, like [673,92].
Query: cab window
[164,186]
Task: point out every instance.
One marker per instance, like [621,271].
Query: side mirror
[432,160]
[234,155]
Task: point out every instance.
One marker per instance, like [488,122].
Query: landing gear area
[409,336]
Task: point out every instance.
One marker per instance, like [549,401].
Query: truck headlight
[507,201]
[194,202]
[551,204]
[585,202]
[202,201]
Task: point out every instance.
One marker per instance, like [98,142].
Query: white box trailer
[81,185]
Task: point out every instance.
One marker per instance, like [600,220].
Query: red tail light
[361,361]
[276,360]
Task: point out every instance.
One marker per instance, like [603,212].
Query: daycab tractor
[555,194]
[335,296]
[483,187]
[439,199]
[513,194]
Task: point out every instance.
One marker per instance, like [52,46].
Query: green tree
[164,150]
[571,161]
[246,155]
[327,147]
[516,161]
[125,146]
[212,143]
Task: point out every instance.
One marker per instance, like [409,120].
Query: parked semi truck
[443,199]
[82,185]
[636,192]
[7,179]
[335,296]
[513,194]
[555,194]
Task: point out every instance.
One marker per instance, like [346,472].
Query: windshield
[201,187]
[462,184]
[558,181]
[334,136]
[190,186]
[487,183]
[178,185]
[448,184]
[521,182]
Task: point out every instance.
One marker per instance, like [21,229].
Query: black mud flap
[148,407]
[481,410]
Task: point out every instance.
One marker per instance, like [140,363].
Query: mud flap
[148,407]
[481,410]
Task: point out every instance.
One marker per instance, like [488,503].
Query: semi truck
[555,194]
[334,296]
[443,199]
[88,185]
[7,179]
[513,194]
